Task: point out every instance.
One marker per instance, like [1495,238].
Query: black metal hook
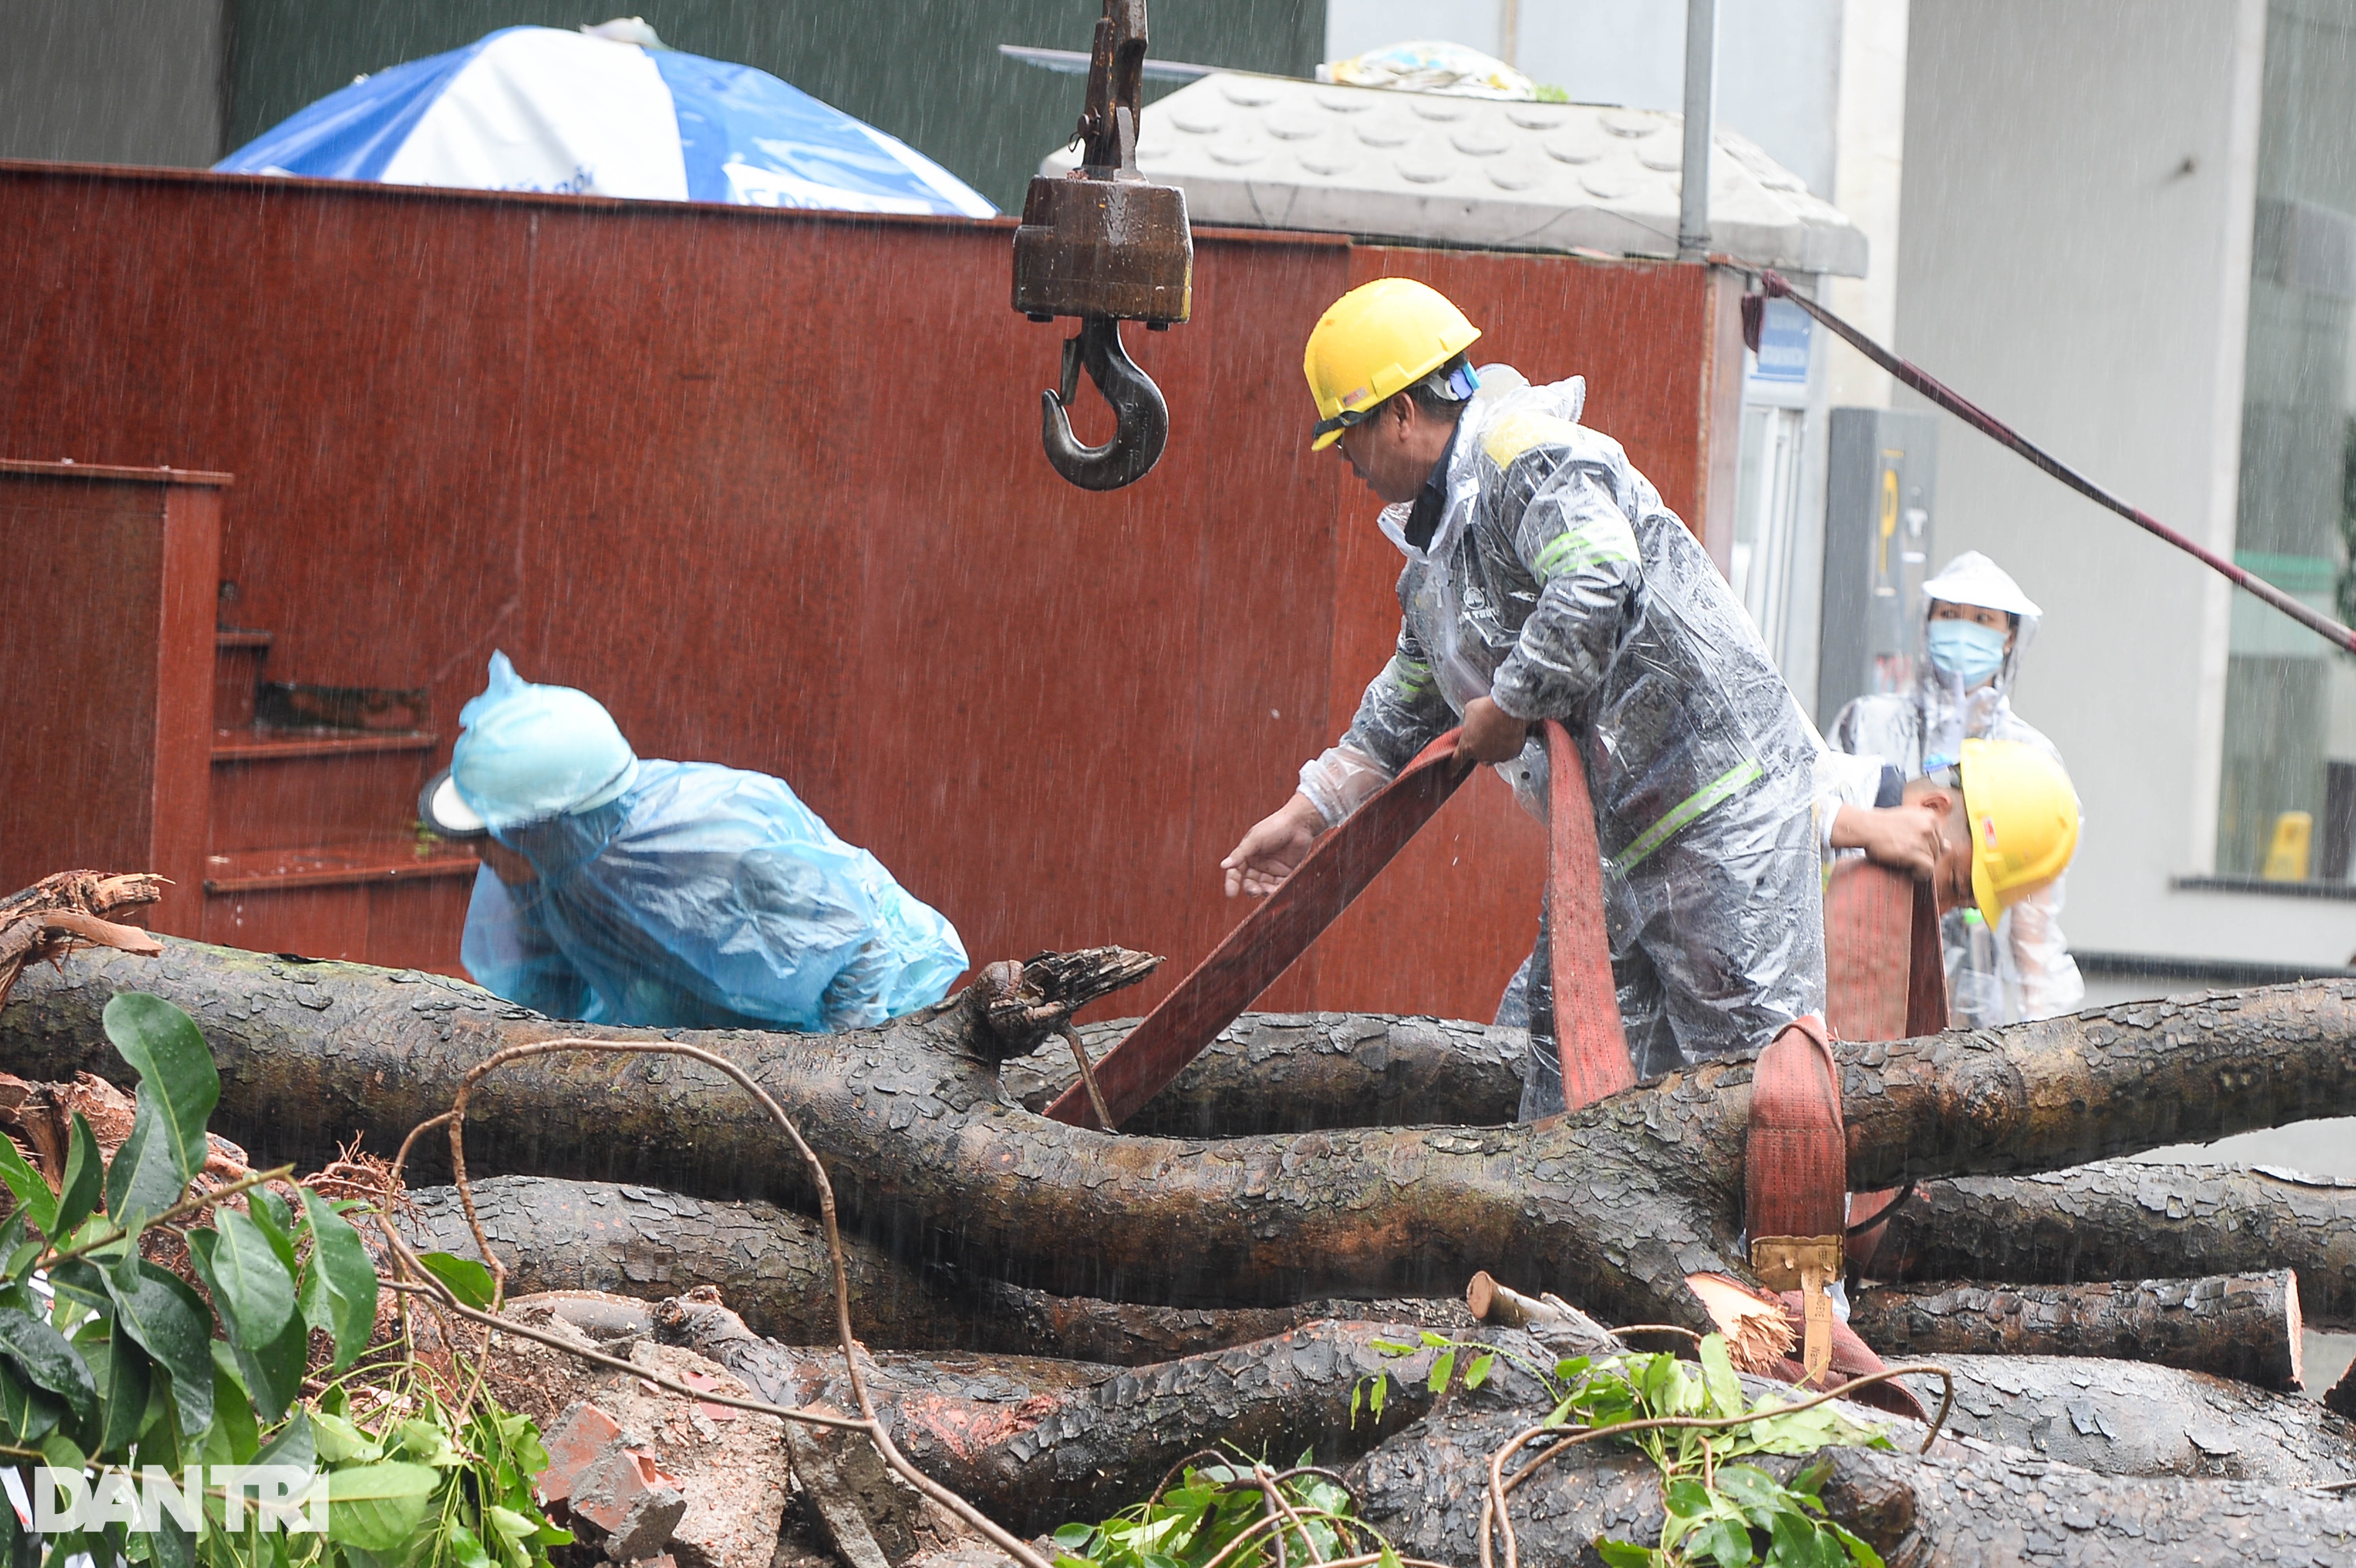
[1143,425]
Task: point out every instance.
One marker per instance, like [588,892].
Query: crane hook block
[1105,245]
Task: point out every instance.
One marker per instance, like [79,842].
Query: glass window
[2287,807]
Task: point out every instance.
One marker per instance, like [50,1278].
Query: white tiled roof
[1273,153]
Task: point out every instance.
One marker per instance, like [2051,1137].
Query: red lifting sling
[1344,863]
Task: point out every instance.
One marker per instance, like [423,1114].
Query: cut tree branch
[2126,1220]
[2234,1325]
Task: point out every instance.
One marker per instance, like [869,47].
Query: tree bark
[2122,1220]
[2124,1418]
[2234,1325]
[1611,1207]
[1302,1072]
[770,1266]
[1955,1509]
[1036,1443]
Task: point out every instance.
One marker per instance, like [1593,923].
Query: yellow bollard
[2286,858]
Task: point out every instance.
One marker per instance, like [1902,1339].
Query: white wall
[1870,147]
[2074,255]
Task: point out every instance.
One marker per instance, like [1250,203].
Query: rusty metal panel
[106,627]
[769,484]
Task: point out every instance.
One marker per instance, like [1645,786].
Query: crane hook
[1143,425]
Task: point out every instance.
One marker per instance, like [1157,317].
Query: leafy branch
[1694,1421]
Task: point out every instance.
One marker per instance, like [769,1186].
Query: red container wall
[769,484]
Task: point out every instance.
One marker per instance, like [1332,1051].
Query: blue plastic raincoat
[703,897]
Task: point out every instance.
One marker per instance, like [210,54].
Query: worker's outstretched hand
[1904,838]
[1490,734]
[1276,844]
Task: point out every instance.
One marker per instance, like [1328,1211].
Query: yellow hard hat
[2024,818]
[1378,340]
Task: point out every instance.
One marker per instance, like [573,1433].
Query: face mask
[1967,650]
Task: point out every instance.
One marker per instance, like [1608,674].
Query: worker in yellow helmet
[1545,579]
[2002,824]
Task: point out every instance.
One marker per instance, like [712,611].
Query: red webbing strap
[1795,1176]
[1588,1037]
[1795,1155]
[1926,985]
[1279,929]
[1869,930]
[1885,978]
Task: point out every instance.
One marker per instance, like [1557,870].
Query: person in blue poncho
[618,890]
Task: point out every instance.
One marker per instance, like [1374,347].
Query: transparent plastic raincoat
[2022,970]
[1556,584]
[696,896]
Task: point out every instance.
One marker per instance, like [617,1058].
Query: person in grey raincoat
[1545,579]
[1977,623]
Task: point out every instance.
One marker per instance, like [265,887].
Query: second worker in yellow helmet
[1545,579]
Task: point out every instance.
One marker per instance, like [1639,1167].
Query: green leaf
[1478,1373]
[468,1280]
[273,1372]
[1726,1542]
[178,1091]
[293,1443]
[78,1197]
[272,1214]
[256,1295]
[44,1356]
[510,1525]
[1860,1553]
[339,1291]
[26,1414]
[1374,1395]
[235,1437]
[465,1548]
[1718,1373]
[1442,1366]
[1687,1497]
[63,1451]
[1393,1347]
[1075,1537]
[33,1194]
[121,1370]
[1626,1554]
[1798,1543]
[341,1442]
[377,1506]
[253,1289]
[169,1322]
[178,1087]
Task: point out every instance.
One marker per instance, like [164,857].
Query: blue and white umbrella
[537,109]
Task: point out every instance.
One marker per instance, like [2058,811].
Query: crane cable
[1774,286]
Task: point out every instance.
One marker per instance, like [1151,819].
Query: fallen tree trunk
[1302,1072]
[1038,1444]
[1956,1508]
[1610,1207]
[770,1266]
[2124,1418]
[2234,1325]
[2126,1219]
